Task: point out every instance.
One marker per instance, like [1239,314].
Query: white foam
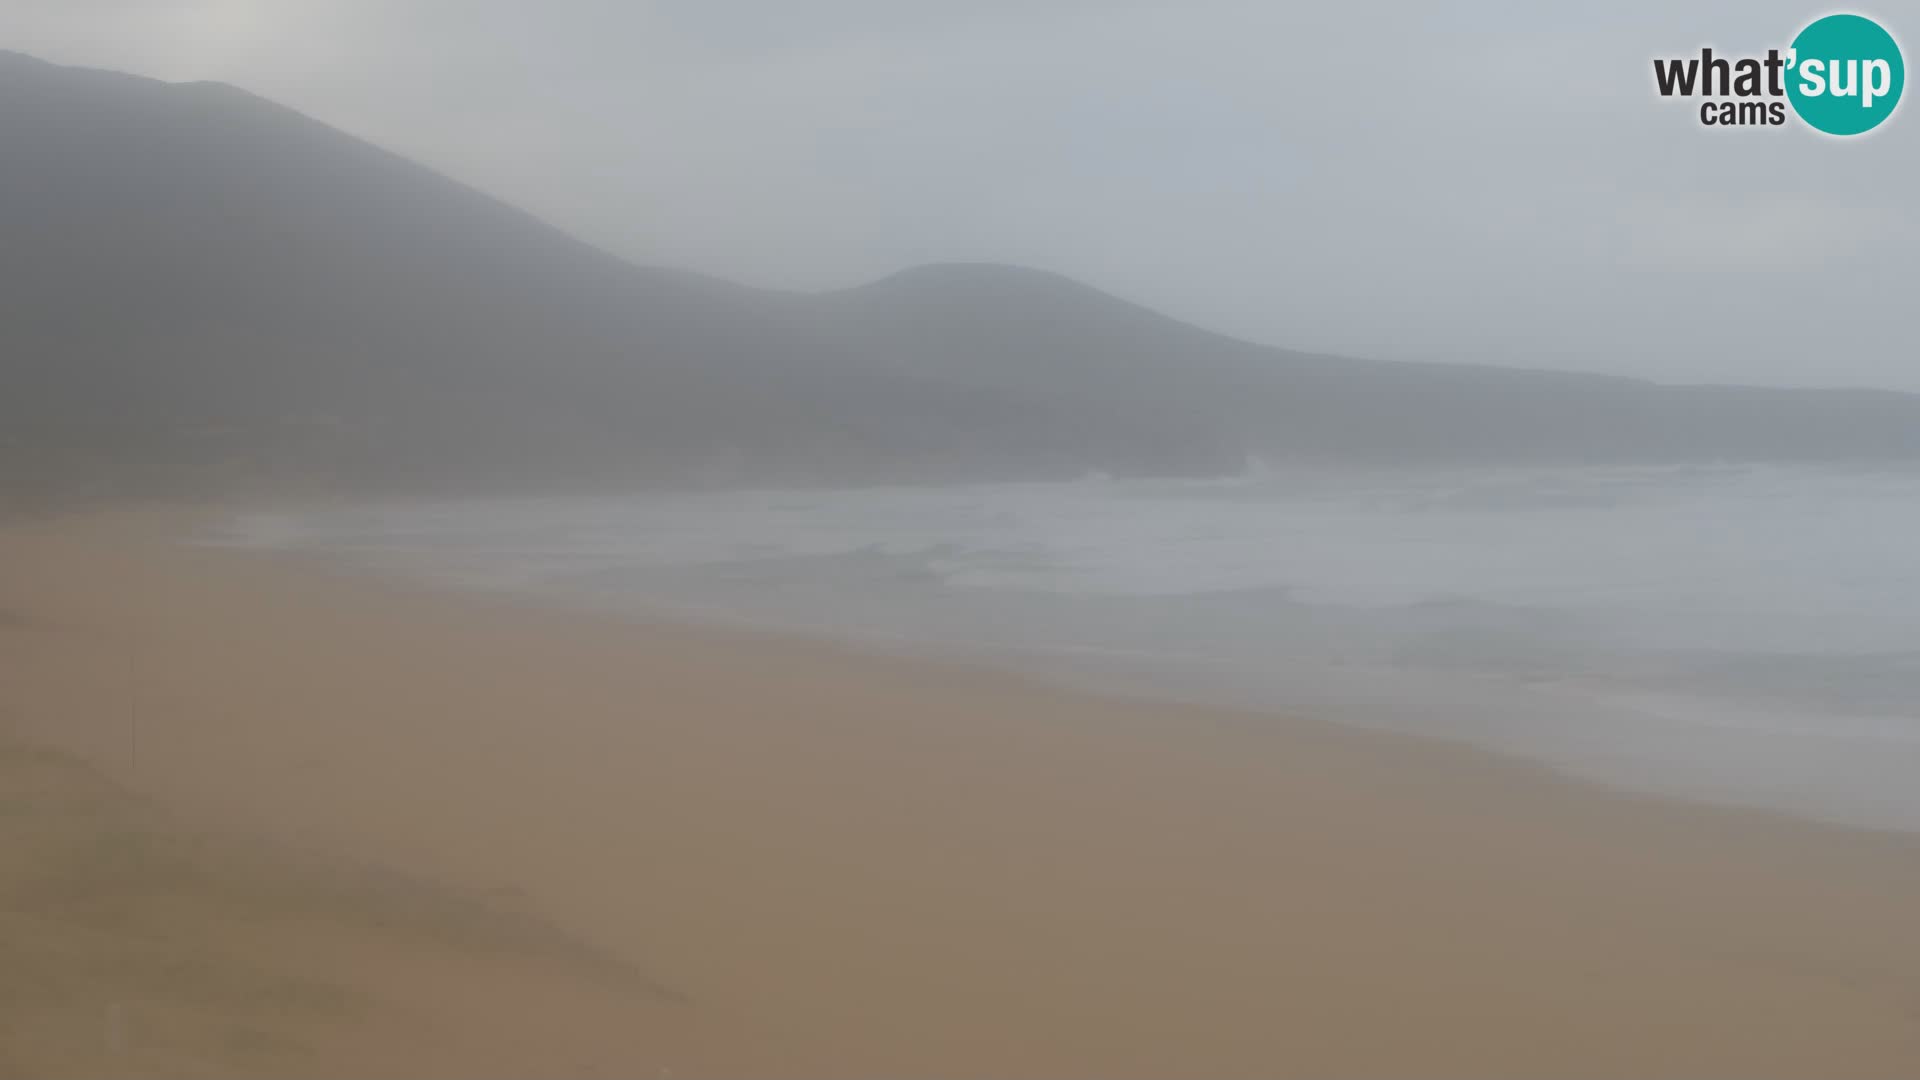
[1695,602]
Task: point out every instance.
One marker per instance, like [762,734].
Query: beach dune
[274,818]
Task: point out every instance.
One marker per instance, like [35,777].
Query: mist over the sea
[1739,634]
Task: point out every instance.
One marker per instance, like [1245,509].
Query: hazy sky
[1493,181]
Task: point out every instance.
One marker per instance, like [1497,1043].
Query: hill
[202,289]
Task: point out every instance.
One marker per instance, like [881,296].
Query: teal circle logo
[1846,74]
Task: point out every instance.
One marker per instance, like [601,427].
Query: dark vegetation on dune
[202,292]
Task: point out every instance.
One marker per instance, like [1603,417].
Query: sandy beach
[266,817]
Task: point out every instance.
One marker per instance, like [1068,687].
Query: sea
[1731,634]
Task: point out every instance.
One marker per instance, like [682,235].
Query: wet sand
[267,817]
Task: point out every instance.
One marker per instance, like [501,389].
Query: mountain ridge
[202,288]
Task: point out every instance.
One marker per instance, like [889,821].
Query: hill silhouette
[200,289]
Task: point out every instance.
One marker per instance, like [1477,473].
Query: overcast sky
[1494,181]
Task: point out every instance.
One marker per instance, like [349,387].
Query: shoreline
[850,864]
[1570,725]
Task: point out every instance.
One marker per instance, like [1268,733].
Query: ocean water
[1732,634]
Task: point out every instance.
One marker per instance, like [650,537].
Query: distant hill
[200,289]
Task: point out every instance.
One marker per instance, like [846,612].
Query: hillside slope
[199,288]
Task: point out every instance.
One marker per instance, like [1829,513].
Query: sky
[1494,181]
